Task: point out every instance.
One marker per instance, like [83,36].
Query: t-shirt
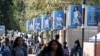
[19,51]
[66,51]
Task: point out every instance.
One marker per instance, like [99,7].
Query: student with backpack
[18,48]
[6,48]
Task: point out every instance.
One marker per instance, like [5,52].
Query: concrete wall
[98,49]
[88,49]
[74,34]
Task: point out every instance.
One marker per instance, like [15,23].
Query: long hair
[75,8]
[16,42]
[78,43]
[59,51]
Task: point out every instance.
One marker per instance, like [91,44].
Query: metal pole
[51,34]
[83,22]
[42,38]
[65,25]
[95,45]
[47,35]
[37,36]
[52,27]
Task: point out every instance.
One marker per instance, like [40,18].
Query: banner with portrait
[47,22]
[75,12]
[92,15]
[29,25]
[37,24]
[58,18]
[2,30]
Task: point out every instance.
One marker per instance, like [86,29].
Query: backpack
[5,53]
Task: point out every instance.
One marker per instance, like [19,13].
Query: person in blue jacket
[6,48]
[76,50]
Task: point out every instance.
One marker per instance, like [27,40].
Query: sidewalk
[31,55]
[28,55]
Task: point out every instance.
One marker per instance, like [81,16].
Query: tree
[14,13]
[7,15]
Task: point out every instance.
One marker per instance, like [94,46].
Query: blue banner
[92,15]
[29,25]
[2,30]
[47,22]
[58,16]
[75,15]
[37,24]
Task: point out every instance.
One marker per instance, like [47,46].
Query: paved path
[28,55]
[31,55]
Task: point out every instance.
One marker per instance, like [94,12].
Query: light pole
[83,23]
[65,9]
[65,23]
[95,44]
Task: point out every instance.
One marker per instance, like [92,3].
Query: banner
[37,24]
[75,15]
[47,22]
[29,25]
[58,17]
[2,30]
[92,15]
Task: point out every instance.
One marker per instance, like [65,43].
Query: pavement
[31,55]
[28,55]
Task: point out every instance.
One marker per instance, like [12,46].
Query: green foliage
[7,15]
[14,13]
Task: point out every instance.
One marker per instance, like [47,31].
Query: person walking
[18,48]
[66,50]
[54,49]
[57,37]
[6,48]
[76,50]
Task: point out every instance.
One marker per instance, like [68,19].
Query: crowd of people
[19,47]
